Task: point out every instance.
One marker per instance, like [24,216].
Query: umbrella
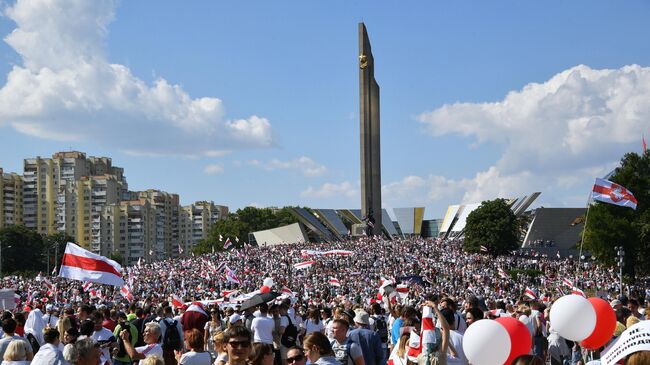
[258,299]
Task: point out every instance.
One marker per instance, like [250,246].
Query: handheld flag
[228,244]
[80,264]
[609,192]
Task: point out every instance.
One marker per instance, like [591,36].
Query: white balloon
[486,342]
[573,317]
[268,282]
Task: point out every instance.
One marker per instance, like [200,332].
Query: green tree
[609,225]
[22,250]
[493,225]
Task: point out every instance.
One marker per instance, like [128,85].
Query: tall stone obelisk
[370,137]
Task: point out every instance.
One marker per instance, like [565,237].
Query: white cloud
[305,165]
[66,89]
[330,190]
[556,136]
[580,118]
[213,169]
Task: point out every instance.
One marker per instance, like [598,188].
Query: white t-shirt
[262,328]
[196,358]
[150,350]
[310,326]
[100,336]
[456,340]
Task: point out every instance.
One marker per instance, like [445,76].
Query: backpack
[33,342]
[381,328]
[172,340]
[121,350]
[290,334]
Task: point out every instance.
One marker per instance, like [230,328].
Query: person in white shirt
[455,354]
[50,318]
[49,354]
[103,337]
[151,335]
[263,326]
[196,354]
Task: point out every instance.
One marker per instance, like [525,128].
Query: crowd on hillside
[340,300]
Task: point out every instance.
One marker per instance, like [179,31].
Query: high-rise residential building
[202,215]
[166,208]
[80,204]
[43,179]
[11,199]
[129,228]
[88,198]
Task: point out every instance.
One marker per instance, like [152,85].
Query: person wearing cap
[346,351]
[370,342]
[234,320]
[616,304]
[50,317]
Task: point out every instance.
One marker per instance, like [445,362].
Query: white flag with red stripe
[610,192]
[577,291]
[303,265]
[334,282]
[83,265]
[126,292]
[287,291]
[503,274]
[86,286]
[530,293]
[177,302]
[567,282]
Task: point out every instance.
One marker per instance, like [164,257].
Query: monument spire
[370,136]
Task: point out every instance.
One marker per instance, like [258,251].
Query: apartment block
[167,209]
[130,229]
[11,199]
[202,215]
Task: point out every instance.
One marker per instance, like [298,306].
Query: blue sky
[257,102]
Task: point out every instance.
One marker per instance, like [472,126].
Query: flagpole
[582,239]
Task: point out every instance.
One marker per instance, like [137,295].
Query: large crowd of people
[359,305]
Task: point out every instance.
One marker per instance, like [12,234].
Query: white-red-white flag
[484,249]
[303,265]
[567,282]
[287,291]
[334,282]
[180,249]
[86,286]
[577,291]
[530,293]
[609,192]
[503,274]
[228,244]
[230,276]
[177,302]
[83,265]
[126,292]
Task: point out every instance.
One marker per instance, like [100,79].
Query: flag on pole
[303,265]
[54,271]
[180,249]
[609,192]
[220,238]
[228,244]
[236,239]
[645,145]
[80,264]
[230,276]
[484,249]
[86,286]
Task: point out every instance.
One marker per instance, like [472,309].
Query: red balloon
[605,325]
[265,289]
[520,339]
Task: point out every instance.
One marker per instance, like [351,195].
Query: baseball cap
[234,318]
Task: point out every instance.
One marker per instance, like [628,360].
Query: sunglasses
[295,358]
[238,344]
